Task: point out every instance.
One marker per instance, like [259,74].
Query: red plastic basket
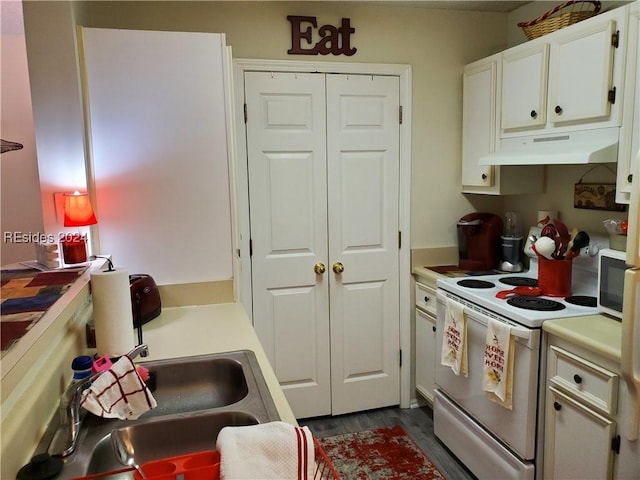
[206,466]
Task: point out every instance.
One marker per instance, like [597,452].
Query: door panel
[363,175]
[287,194]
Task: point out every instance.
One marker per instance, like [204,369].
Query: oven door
[515,428]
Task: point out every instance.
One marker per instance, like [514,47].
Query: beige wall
[436,43]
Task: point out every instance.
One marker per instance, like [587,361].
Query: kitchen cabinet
[569,77]
[480,103]
[629,149]
[524,87]
[425,340]
[580,439]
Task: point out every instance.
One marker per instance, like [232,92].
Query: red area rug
[379,454]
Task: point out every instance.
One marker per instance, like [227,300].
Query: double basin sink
[197,397]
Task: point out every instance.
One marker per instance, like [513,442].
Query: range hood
[579,147]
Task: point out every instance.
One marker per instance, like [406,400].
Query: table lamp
[77,213]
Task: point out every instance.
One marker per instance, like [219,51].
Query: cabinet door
[478,122]
[524,87]
[629,152]
[580,73]
[425,353]
[577,440]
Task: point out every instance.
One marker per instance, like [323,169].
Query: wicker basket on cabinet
[561,16]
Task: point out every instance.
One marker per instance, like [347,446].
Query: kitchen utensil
[545,246]
[563,236]
[124,451]
[580,241]
[550,231]
[520,290]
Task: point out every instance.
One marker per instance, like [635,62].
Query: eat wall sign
[332,40]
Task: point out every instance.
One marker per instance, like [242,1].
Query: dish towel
[118,393]
[497,378]
[454,339]
[274,450]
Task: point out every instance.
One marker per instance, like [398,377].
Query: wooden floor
[417,422]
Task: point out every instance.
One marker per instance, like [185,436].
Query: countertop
[597,333]
[203,329]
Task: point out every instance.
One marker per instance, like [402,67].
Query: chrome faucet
[65,440]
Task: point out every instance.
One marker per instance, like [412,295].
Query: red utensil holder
[554,277]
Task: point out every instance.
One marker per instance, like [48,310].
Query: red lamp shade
[78,211]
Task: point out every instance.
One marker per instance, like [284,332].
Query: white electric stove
[531,311]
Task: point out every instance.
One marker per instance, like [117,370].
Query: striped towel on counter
[267,451]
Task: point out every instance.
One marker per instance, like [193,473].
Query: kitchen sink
[197,396]
[196,383]
[167,438]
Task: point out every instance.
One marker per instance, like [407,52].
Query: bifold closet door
[286,148]
[323,162]
[363,158]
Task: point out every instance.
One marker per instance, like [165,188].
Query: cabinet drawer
[426,298]
[583,379]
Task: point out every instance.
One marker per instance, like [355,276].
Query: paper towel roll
[112,312]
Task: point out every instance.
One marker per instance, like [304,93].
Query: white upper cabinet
[524,87]
[570,77]
[629,149]
[480,104]
[580,73]
[479,83]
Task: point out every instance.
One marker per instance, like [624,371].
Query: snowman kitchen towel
[497,378]
[454,339]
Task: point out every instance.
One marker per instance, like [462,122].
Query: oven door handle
[515,331]
[480,317]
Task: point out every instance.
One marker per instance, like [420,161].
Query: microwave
[611,268]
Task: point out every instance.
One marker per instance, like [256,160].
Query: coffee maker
[479,241]
[511,242]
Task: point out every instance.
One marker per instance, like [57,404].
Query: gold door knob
[319,268]
[338,267]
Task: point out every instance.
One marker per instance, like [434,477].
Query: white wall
[159,152]
[21,210]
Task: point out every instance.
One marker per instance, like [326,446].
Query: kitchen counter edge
[597,333]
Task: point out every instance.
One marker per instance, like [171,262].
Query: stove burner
[520,281]
[473,283]
[582,300]
[535,303]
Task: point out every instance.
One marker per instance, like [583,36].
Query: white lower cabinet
[577,440]
[580,440]
[425,340]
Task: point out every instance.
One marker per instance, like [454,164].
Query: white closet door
[288,206]
[363,160]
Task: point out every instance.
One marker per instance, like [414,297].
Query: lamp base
[74,249]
